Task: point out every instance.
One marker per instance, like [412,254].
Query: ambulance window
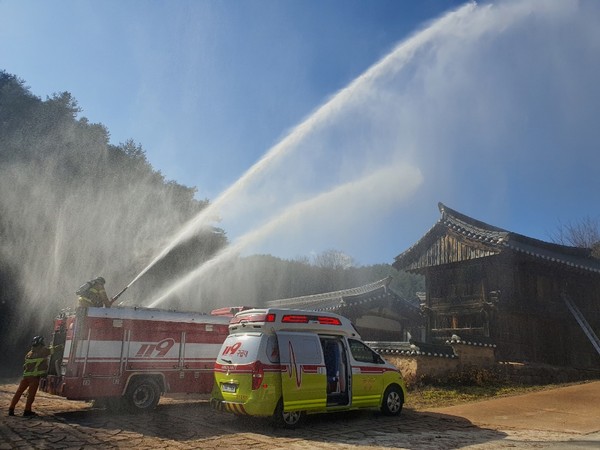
[272,349]
[362,353]
[304,348]
[240,349]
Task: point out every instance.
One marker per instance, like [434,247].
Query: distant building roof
[336,300]
[487,240]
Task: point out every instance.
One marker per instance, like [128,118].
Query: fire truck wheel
[286,419]
[143,394]
[393,400]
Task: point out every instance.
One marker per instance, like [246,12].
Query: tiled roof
[336,300]
[412,349]
[496,240]
[480,341]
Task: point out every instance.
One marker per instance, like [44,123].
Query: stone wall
[417,366]
[474,355]
[417,362]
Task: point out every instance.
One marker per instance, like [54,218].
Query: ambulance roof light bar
[303,318]
[288,318]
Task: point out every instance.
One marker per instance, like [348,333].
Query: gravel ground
[188,422]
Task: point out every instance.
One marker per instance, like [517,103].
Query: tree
[333,259]
[73,207]
[584,233]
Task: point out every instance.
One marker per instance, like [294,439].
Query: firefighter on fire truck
[92,293]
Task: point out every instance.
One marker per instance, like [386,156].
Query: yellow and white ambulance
[285,363]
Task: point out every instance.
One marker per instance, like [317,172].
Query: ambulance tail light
[253,318]
[258,374]
[329,321]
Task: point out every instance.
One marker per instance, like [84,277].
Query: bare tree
[333,259]
[585,234]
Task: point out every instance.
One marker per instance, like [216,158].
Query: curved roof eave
[495,238]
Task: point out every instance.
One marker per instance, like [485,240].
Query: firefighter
[92,293]
[35,367]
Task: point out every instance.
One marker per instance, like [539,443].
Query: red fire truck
[130,356]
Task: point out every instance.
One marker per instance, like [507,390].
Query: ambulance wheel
[393,399]
[286,419]
[143,394]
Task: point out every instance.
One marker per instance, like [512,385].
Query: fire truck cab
[284,363]
[130,356]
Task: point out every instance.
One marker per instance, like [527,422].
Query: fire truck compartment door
[303,375]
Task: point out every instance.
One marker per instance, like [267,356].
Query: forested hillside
[73,206]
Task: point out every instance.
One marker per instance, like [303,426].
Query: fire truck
[128,357]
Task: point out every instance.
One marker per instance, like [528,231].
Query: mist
[402,181]
[60,229]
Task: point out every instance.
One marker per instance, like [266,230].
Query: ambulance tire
[393,399]
[288,420]
[143,395]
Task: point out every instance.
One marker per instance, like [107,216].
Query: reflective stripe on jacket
[36,362]
[31,368]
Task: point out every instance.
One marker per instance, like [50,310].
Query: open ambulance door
[303,375]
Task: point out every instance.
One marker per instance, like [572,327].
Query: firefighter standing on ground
[92,293]
[35,367]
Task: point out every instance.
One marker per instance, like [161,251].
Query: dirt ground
[559,418]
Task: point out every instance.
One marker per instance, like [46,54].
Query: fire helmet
[100,280]
[37,341]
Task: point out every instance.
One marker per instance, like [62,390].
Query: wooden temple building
[536,301]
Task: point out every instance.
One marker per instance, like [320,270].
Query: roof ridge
[341,293]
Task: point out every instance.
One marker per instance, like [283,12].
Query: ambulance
[285,363]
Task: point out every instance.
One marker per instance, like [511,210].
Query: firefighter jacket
[94,296]
[36,362]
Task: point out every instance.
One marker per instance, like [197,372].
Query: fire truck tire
[143,394]
[288,420]
[392,402]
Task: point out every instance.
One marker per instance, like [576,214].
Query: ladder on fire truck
[585,326]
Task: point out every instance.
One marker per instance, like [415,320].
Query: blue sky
[377,110]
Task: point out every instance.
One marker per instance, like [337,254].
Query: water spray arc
[391,63]
[401,180]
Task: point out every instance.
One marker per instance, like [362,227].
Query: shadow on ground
[192,422]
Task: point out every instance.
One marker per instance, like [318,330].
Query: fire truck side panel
[106,349]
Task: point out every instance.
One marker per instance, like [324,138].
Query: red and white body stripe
[105,347]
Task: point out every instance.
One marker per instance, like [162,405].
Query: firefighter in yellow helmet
[35,367]
[92,293]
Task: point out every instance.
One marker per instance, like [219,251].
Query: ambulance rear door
[303,375]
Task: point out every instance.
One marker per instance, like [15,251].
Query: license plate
[227,387]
